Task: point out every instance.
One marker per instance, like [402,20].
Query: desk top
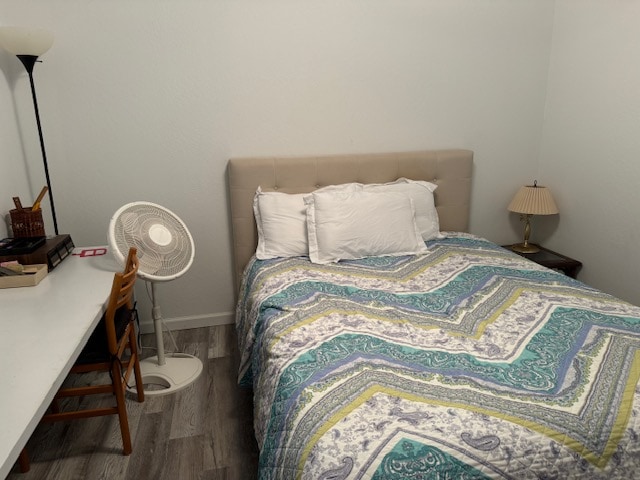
[42,331]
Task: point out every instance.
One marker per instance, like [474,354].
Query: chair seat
[96,350]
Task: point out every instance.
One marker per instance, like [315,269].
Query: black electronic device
[51,252]
[20,246]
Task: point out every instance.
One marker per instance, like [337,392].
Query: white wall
[148,100]
[590,153]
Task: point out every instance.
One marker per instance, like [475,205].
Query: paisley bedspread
[466,362]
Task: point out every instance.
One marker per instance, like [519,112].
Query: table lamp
[531,200]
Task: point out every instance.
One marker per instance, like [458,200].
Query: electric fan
[166,251]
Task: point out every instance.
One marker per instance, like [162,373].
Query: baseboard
[192,321]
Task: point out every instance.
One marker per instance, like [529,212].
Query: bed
[462,360]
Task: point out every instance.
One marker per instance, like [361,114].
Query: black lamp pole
[29,61]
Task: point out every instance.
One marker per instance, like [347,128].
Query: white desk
[42,331]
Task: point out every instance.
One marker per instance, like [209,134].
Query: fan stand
[173,372]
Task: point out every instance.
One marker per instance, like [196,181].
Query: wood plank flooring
[204,432]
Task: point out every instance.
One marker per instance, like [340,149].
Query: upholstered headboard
[449,169]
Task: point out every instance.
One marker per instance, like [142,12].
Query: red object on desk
[91,252]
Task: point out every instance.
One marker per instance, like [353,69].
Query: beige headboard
[449,169]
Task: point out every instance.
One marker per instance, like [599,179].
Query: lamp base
[524,248]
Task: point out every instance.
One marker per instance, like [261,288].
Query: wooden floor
[203,432]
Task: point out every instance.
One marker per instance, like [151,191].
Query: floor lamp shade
[28,44]
[531,200]
[25,41]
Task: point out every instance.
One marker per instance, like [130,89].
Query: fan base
[178,372]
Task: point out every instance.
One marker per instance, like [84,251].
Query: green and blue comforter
[467,362]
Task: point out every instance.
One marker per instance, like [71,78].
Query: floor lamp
[28,44]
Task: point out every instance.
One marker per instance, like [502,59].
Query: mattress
[466,362]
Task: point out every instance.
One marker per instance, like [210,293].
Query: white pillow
[421,193]
[358,224]
[282,224]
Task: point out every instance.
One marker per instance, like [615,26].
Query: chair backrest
[121,295]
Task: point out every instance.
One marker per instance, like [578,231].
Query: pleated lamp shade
[533,200]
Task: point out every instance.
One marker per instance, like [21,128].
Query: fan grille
[165,247]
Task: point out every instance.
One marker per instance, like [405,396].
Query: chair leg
[23,461]
[133,345]
[122,408]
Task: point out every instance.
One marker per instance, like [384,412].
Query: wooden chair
[105,352]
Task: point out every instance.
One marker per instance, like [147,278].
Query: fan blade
[129,221]
[150,262]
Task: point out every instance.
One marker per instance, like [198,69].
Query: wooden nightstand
[554,260]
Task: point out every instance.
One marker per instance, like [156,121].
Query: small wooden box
[33,274]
